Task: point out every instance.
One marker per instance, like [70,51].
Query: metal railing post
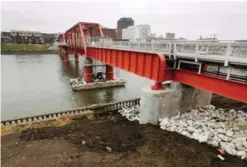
[197,52]
[228,53]
[174,50]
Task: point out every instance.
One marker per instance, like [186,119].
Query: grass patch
[23,47]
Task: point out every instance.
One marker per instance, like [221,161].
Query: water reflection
[109,95]
[38,58]
[70,69]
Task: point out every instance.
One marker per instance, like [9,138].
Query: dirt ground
[108,140]
[226,103]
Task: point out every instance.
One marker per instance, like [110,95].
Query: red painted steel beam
[109,73]
[74,39]
[87,24]
[232,89]
[83,38]
[100,30]
[76,51]
[64,38]
[148,65]
[82,28]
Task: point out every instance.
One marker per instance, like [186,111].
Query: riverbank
[109,140]
[26,49]
[28,52]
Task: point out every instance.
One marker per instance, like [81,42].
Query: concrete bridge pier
[91,77]
[88,70]
[176,98]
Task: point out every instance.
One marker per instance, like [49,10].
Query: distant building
[138,32]
[50,37]
[33,37]
[181,39]
[122,23]
[110,33]
[5,39]
[208,39]
[170,35]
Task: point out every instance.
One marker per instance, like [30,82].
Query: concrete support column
[157,104]
[76,58]
[178,98]
[109,73]
[191,97]
[88,70]
[203,98]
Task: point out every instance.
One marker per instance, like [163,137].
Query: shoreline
[107,139]
[29,52]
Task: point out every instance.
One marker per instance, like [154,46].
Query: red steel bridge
[218,67]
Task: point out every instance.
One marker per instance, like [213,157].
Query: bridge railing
[221,50]
[225,51]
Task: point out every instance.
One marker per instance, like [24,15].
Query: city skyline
[187,19]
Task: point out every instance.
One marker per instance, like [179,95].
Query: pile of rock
[77,81]
[132,113]
[217,127]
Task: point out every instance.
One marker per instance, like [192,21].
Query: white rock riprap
[132,113]
[217,127]
[77,81]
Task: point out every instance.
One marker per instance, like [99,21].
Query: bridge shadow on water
[71,70]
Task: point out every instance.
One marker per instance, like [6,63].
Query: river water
[39,83]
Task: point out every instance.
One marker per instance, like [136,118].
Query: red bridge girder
[149,65]
[153,66]
[233,89]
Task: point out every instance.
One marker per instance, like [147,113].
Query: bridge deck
[223,52]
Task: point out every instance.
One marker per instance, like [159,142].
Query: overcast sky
[187,19]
